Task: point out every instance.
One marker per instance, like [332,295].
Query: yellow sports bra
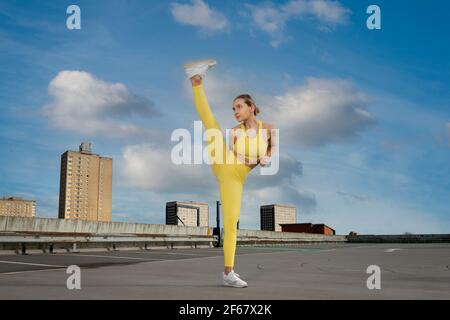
[251,147]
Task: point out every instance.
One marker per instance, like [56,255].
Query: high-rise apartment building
[187,213]
[85,185]
[17,207]
[273,215]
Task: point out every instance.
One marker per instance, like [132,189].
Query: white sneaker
[198,67]
[232,280]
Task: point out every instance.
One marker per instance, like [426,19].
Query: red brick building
[308,228]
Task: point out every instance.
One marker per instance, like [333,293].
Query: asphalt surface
[314,271]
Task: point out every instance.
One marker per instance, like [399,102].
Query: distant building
[187,213]
[308,228]
[273,215]
[17,207]
[85,185]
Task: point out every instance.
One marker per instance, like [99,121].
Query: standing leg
[230,195]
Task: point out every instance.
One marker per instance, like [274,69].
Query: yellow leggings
[230,176]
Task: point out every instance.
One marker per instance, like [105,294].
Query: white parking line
[100,256]
[199,251]
[31,271]
[391,250]
[155,252]
[32,264]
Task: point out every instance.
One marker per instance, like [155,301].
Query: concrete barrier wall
[404,238]
[287,236]
[93,228]
[44,225]
[3,223]
[69,226]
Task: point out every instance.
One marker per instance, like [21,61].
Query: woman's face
[241,110]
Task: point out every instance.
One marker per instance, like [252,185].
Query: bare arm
[231,139]
[271,140]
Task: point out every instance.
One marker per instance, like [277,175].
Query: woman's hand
[264,161]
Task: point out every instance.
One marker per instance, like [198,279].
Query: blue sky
[363,114]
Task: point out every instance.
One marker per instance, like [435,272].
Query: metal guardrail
[20,243]
[419,238]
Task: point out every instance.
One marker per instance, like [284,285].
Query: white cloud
[272,19]
[350,197]
[304,201]
[282,187]
[269,18]
[150,167]
[319,112]
[84,104]
[330,12]
[199,14]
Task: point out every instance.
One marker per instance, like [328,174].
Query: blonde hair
[248,101]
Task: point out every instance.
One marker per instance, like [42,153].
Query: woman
[231,167]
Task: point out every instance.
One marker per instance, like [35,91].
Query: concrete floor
[325,271]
